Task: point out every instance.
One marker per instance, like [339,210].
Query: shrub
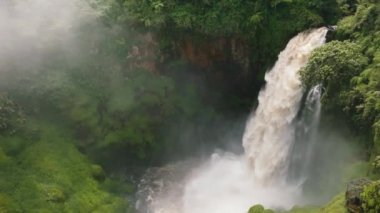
[371,198]
[333,65]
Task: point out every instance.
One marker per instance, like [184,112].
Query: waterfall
[270,131]
[228,182]
[306,130]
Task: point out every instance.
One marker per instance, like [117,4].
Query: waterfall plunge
[270,132]
[231,184]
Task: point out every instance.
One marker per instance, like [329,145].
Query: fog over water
[232,183]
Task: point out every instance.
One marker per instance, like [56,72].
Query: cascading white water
[228,183]
[306,132]
[270,132]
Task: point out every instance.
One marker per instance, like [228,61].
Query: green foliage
[357,94]
[256,209]
[333,65]
[265,26]
[349,71]
[347,6]
[98,173]
[371,198]
[376,164]
[305,209]
[351,82]
[259,209]
[107,104]
[376,127]
[132,113]
[336,205]
[6,204]
[50,175]
[107,100]
[11,116]
[355,170]
[3,156]
[219,17]
[53,193]
[364,19]
[362,102]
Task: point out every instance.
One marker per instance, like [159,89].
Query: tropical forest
[189,106]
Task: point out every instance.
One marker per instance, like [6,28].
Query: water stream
[270,172]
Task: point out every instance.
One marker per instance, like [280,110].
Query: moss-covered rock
[353,192]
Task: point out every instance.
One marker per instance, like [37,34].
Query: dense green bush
[50,175]
[226,17]
[259,209]
[333,65]
[349,69]
[371,198]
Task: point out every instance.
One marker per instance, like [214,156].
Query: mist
[150,126]
[31,30]
[288,160]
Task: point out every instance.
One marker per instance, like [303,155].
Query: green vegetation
[235,39]
[134,94]
[333,65]
[48,174]
[227,17]
[371,198]
[297,209]
[11,116]
[337,204]
[349,70]
[259,209]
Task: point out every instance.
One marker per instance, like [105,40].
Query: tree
[333,65]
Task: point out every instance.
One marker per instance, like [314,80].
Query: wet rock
[207,53]
[161,188]
[354,189]
[331,34]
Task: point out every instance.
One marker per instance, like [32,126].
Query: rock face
[205,53]
[144,54]
[354,189]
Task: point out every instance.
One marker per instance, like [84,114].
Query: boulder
[354,189]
